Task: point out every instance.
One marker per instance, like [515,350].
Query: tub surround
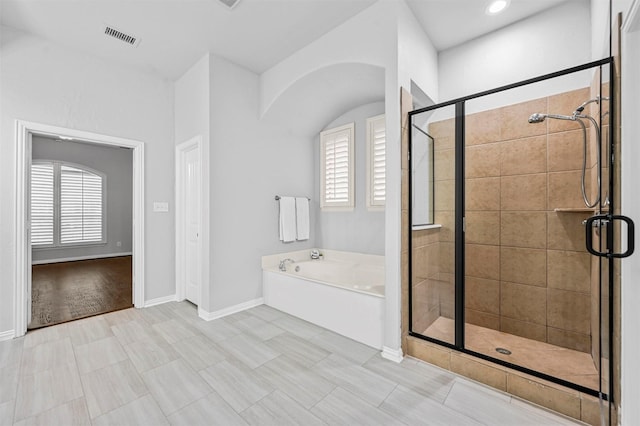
[342,291]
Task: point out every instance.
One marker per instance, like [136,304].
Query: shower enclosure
[512,241]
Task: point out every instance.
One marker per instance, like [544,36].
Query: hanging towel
[302,218]
[287,219]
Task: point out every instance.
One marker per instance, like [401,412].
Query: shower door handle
[609,219]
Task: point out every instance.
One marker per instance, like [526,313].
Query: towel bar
[278,198]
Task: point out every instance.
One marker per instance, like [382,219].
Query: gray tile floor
[163,365]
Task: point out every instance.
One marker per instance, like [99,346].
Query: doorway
[25,132]
[81,230]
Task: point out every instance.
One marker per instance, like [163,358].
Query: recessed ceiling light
[496,7]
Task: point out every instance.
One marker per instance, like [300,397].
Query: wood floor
[164,365]
[68,291]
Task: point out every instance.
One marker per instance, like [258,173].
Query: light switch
[160,206]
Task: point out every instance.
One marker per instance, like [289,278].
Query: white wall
[360,230]
[251,161]
[46,83]
[117,165]
[550,41]
[192,119]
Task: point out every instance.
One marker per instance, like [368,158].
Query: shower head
[537,118]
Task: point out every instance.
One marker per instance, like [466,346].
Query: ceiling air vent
[230,3]
[127,38]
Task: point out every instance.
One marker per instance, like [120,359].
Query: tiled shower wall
[527,270]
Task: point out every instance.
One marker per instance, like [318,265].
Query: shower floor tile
[567,364]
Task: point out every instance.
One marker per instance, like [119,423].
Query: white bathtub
[344,292]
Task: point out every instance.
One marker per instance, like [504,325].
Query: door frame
[24,131]
[181,150]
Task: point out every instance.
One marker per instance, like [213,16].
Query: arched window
[67,205]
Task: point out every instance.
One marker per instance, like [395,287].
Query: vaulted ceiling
[256,34]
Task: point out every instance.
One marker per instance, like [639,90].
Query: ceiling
[452,22]
[256,34]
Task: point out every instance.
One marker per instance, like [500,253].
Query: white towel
[287,219]
[302,218]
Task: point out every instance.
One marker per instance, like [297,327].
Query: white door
[190,209]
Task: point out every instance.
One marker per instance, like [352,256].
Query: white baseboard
[160,300]
[73,259]
[7,335]
[394,355]
[208,316]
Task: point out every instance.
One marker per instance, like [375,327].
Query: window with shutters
[376,162]
[67,205]
[337,168]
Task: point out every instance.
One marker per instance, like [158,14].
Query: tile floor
[163,365]
[573,366]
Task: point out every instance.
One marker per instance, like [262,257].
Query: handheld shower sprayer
[578,117]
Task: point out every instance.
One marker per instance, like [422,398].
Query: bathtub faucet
[283,264]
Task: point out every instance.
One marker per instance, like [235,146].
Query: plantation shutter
[378,162]
[80,206]
[42,204]
[337,167]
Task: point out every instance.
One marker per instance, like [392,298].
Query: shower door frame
[459,238]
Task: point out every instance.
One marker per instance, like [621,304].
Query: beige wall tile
[569,270]
[565,231]
[404,149]
[444,195]
[482,127]
[569,339]
[566,402]
[482,227]
[422,303]
[564,190]
[429,352]
[447,257]
[523,329]
[564,104]
[425,236]
[514,120]
[523,156]
[482,194]
[482,319]
[446,219]
[482,160]
[568,310]
[482,261]
[425,262]
[565,151]
[523,229]
[523,192]
[482,295]
[523,266]
[404,189]
[469,367]
[444,142]
[523,302]
[444,165]
[406,106]
[442,129]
